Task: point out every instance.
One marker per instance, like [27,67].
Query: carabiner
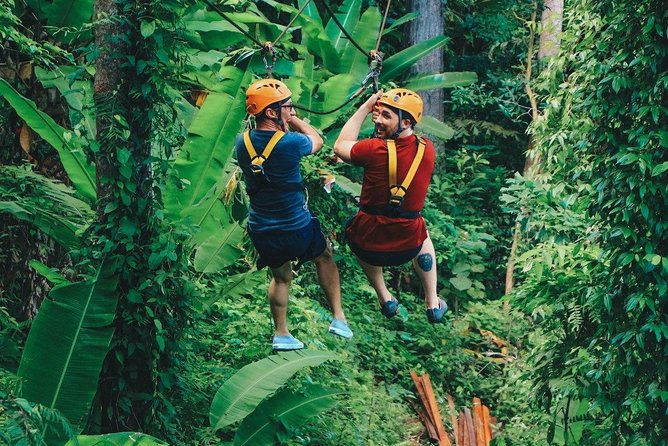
[268,49]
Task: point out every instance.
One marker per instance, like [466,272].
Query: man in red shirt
[388,230]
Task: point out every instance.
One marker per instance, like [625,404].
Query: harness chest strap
[258,160]
[398,191]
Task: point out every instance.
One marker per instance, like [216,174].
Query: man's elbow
[317,145]
[337,148]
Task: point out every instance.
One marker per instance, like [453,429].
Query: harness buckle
[256,165]
[396,200]
[397,197]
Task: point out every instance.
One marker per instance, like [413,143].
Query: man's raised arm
[351,130]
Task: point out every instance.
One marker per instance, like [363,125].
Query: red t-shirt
[378,232]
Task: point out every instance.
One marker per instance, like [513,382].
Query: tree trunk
[127,375]
[429,24]
[550,35]
[549,43]
[107,80]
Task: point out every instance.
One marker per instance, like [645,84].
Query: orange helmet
[265,92]
[405,100]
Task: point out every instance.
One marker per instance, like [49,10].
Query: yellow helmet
[405,100]
[265,92]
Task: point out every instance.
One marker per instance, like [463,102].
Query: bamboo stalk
[477,423]
[469,427]
[429,421]
[453,418]
[486,425]
[443,439]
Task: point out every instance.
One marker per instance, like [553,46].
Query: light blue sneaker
[340,328]
[435,315]
[288,342]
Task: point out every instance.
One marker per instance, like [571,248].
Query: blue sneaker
[390,308]
[435,315]
[288,342]
[340,328]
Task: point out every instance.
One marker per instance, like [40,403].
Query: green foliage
[9,341]
[49,205]
[80,171]
[117,439]
[82,313]
[596,280]
[23,423]
[276,417]
[241,394]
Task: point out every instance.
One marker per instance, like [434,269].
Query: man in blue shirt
[280,224]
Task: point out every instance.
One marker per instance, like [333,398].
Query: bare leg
[328,277]
[279,292]
[377,281]
[425,267]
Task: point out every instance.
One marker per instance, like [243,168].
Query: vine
[136,132]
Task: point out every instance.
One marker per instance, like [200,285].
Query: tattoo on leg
[425,261]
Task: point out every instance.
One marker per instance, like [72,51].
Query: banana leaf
[442,80]
[63,13]
[277,417]
[348,15]
[311,10]
[117,439]
[400,21]
[334,91]
[240,285]
[365,34]
[206,152]
[53,225]
[436,128]
[220,249]
[78,94]
[316,39]
[67,344]
[241,394]
[80,172]
[45,203]
[398,63]
[50,274]
[303,84]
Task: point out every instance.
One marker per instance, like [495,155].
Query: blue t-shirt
[276,209]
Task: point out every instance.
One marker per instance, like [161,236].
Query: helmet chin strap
[396,134]
[278,120]
[400,129]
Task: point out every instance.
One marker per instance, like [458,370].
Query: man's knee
[425,262]
[283,274]
[326,255]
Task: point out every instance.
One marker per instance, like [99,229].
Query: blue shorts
[389,258]
[277,247]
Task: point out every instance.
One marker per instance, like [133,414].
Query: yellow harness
[398,191]
[257,161]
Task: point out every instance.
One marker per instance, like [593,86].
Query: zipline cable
[375,62]
[348,101]
[231,22]
[382,26]
[343,30]
[291,22]
[268,47]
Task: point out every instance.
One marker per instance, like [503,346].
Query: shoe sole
[343,334]
[285,347]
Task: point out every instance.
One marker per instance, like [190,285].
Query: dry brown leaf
[25,72]
[25,138]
